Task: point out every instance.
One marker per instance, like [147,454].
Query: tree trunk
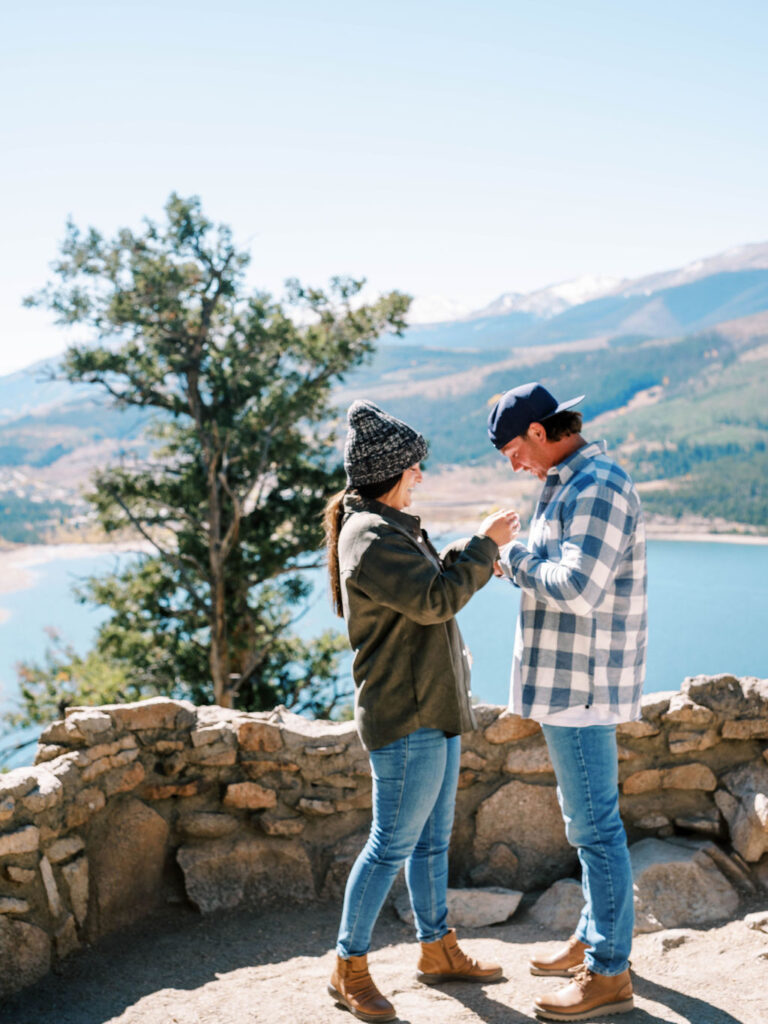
[219,660]
[219,657]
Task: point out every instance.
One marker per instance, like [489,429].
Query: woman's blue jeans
[414,795]
[586,767]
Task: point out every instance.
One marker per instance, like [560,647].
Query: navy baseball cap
[517,409]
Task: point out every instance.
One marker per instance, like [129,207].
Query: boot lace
[458,958]
[581,975]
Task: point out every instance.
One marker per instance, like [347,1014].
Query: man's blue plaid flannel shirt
[582,629]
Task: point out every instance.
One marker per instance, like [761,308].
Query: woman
[412,699]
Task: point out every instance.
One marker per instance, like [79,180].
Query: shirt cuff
[510,557]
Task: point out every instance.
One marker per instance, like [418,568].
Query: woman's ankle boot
[352,986]
[444,960]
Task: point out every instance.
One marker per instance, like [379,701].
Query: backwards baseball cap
[517,409]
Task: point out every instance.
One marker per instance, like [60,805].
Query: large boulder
[207,825]
[677,885]
[745,698]
[89,724]
[744,805]
[317,736]
[531,759]
[21,840]
[760,873]
[345,854]
[252,870]
[127,852]
[18,782]
[508,728]
[500,867]
[75,875]
[684,711]
[470,908]
[527,819]
[559,908]
[152,713]
[25,955]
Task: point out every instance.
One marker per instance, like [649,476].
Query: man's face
[529,452]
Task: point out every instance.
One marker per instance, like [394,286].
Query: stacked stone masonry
[131,805]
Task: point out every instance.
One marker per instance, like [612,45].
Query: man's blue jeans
[586,767]
[414,795]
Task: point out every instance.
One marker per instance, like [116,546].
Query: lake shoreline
[439,527]
[704,602]
[664,533]
[17,564]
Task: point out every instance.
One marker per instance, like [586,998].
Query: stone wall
[131,805]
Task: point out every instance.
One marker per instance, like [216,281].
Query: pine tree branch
[167,555]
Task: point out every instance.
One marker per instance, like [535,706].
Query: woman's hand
[502,526]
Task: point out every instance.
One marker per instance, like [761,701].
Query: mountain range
[723,287]
[674,366]
[548,302]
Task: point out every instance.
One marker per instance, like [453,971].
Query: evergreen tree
[230,500]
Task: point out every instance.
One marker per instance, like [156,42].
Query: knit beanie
[378,445]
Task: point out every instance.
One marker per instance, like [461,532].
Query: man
[578,669]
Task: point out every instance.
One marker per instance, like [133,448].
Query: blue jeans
[587,771]
[414,795]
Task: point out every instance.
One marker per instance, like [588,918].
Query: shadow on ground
[174,949]
[239,967]
[687,1007]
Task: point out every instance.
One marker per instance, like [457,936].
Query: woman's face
[400,495]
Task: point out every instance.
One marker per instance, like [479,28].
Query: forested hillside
[688,412]
[685,410]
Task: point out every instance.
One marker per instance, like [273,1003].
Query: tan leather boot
[353,988]
[444,961]
[561,963]
[588,995]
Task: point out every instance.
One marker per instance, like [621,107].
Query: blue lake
[708,613]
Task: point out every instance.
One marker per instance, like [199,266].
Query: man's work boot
[353,988]
[561,963]
[588,995]
[444,961]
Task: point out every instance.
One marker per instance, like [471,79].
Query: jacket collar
[576,461]
[353,502]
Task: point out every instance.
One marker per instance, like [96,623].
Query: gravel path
[272,968]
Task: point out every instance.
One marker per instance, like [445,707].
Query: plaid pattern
[581,634]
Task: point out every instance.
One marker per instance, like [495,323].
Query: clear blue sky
[464,149]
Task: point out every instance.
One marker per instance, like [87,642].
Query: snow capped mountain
[543,303]
[434,309]
[741,257]
[547,302]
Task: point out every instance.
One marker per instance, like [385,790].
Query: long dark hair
[333,516]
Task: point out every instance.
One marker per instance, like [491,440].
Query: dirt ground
[272,968]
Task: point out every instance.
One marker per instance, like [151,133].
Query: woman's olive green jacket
[411,666]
